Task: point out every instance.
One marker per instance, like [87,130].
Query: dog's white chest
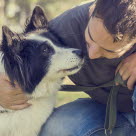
[28,122]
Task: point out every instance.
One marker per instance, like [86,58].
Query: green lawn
[65,97]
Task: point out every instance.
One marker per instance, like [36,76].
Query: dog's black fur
[37,60]
[23,57]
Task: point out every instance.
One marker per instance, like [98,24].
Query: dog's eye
[46,50]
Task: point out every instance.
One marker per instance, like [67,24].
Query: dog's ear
[38,20]
[7,36]
[10,41]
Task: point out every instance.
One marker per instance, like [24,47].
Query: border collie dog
[37,63]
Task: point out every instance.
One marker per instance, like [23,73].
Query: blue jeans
[85,117]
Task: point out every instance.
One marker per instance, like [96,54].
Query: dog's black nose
[78,53]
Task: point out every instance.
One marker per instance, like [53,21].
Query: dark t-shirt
[70,26]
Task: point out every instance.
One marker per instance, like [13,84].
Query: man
[109,41]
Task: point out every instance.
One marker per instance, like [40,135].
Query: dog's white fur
[27,122]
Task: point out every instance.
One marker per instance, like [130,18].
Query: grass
[65,97]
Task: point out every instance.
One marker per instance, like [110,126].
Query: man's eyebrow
[101,47]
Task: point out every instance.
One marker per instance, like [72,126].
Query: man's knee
[55,127]
[74,118]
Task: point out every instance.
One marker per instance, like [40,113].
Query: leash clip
[108,132]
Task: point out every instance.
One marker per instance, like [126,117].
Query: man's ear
[7,36]
[37,20]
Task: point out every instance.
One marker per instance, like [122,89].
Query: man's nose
[94,52]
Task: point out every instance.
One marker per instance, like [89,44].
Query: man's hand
[127,69]
[11,97]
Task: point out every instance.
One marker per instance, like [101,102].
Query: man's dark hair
[119,17]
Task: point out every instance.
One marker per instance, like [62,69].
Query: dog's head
[29,57]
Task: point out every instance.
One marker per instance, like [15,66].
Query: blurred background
[14,13]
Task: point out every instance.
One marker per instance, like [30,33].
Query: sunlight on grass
[65,97]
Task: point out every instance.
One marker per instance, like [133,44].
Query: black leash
[111,110]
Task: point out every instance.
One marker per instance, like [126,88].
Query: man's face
[100,42]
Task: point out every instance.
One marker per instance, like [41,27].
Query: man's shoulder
[68,21]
